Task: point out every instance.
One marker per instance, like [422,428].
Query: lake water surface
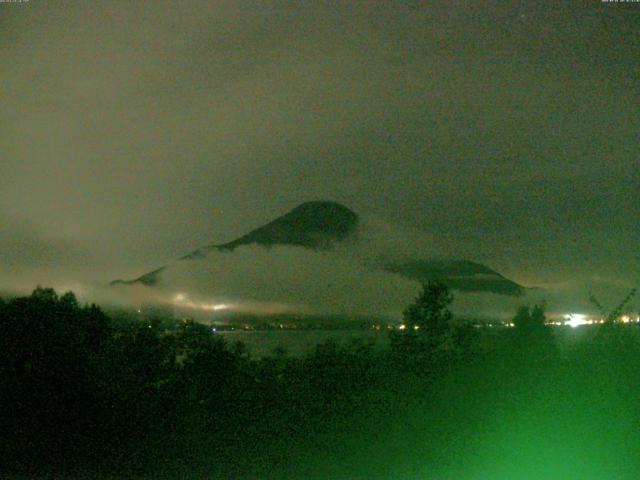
[298,342]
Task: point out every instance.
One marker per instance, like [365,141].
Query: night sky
[504,132]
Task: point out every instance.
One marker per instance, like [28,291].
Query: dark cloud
[134,132]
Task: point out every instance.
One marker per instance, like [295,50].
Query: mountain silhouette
[319,225]
[312,224]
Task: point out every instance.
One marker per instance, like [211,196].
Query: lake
[298,342]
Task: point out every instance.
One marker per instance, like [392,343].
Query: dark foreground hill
[320,225]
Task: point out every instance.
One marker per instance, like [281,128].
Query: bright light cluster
[577,319]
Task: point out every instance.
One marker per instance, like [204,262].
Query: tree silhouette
[527,318]
[429,314]
[422,343]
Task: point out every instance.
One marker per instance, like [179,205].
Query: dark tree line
[86,395]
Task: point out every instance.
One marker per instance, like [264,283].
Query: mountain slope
[314,225]
[460,275]
[319,225]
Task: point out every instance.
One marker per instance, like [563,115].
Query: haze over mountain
[325,226]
